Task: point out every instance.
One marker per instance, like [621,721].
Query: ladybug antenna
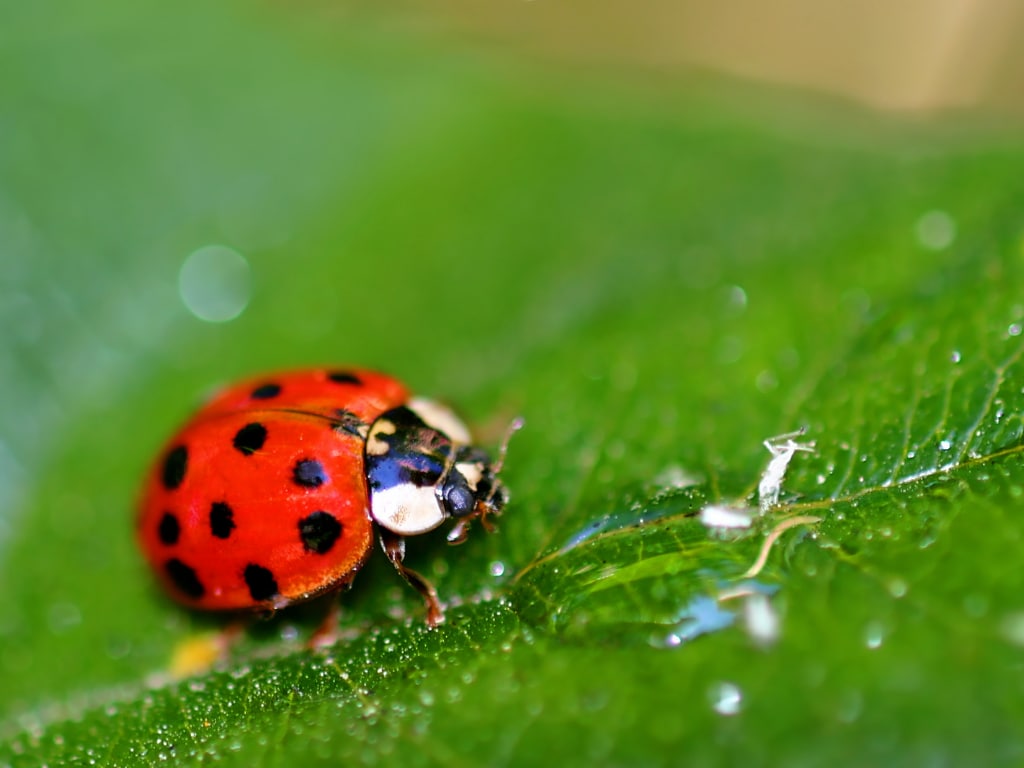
[457,535]
[517,423]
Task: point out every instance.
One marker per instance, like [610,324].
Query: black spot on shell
[222,520]
[309,473]
[184,578]
[169,529]
[260,581]
[250,438]
[319,531]
[266,391]
[344,377]
[174,467]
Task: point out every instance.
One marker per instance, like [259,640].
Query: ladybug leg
[460,531]
[394,548]
[327,632]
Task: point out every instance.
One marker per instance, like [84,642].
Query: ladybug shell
[364,393]
[261,499]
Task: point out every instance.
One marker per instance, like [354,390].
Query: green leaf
[657,284]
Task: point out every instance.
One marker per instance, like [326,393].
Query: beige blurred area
[889,54]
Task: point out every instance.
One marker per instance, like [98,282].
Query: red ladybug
[271,493]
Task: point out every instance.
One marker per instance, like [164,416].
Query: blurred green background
[661,234]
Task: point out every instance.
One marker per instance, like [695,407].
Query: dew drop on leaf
[761,619]
[897,587]
[851,704]
[214,283]
[874,634]
[1012,627]
[726,699]
[935,230]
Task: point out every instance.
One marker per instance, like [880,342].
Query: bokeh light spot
[214,283]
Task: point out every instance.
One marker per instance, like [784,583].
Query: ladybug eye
[459,500]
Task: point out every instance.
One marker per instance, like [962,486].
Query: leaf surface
[656,285]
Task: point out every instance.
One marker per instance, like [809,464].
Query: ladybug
[272,493]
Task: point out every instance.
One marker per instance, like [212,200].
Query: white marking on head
[407,509]
[473,471]
[441,418]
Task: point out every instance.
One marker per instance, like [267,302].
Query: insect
[273,492]
[782,448]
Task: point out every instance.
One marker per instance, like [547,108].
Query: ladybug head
[472,486]
[421,470]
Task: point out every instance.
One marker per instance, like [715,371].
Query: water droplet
[63,616]
[596,700]
[497,568]
[1012,627]
[761,619]
[675,476]
[955,356]
[214,283]
[766,381]
[726,699]
[874,634]
[897,587]
[720,516]
[672,640]
[1000,409]
[1014,329]
[241,672]
[118,647]
[945,445]
[911,454]
[453,694]
[851,704]
[737,298]
[935,230]
[701,615]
